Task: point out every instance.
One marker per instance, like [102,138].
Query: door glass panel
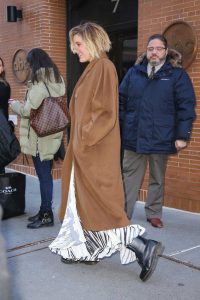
[129,54]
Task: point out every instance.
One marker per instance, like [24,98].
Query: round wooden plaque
[182,37]
[20,67]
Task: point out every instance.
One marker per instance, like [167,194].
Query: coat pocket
[163,133]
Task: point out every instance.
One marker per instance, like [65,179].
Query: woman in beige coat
[95,224]
[45,79]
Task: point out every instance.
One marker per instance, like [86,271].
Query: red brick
[43,25]
[183,170]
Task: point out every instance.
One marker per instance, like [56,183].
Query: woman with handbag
[45,78]
[4,96]
[95,224]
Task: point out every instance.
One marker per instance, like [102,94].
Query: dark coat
[154,113]
[94,149]
[4,97]
[9,145]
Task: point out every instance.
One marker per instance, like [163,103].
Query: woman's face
[80,49]
[1,67]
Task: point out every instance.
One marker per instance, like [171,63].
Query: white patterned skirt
[73,242]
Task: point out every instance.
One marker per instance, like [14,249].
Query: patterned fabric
[75,243]
[151,75]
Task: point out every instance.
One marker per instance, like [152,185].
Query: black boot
[45,219]
[147,252]
[34,218]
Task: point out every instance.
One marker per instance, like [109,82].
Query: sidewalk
[38,274]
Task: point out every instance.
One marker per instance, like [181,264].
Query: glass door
[124,51]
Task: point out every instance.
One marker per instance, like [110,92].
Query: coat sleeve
[185,106]
[123,97]
[35,96]
[104,104]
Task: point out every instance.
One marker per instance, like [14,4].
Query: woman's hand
[15,105]
[11,102]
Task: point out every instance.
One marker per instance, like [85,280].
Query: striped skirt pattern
[73,242]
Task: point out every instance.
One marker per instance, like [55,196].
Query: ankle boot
[45,219]
[34,218]
[146,252]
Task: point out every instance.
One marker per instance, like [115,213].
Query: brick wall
[44,26]
[183,172]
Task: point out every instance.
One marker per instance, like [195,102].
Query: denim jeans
[43,170]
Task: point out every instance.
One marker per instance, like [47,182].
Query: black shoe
[45,219]
[89,262]
[34,218]
[147,253]
[71,261]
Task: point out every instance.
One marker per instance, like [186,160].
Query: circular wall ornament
[182,37]
[19,65]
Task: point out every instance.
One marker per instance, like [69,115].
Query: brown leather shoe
[156,222]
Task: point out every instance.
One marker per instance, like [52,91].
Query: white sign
[13,118]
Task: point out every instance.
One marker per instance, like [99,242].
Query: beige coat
[94,149]
[29,141]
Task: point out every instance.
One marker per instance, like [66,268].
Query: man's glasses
[159,49]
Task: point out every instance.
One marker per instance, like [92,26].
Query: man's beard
[157,62]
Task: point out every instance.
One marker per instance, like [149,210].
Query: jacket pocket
[130,127]
[163,133]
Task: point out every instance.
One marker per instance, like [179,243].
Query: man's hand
[180,144]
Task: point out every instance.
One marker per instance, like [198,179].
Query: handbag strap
[47,88]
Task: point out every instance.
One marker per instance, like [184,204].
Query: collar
[158,67]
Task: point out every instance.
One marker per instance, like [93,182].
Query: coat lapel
[87,70]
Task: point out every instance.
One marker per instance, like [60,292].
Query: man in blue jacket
[157,108]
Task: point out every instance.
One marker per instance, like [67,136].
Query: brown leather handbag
[51,116]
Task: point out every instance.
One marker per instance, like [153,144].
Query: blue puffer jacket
[154,113]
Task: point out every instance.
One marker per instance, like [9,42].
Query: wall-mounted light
[13,14]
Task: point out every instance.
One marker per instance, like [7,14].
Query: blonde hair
[94,36]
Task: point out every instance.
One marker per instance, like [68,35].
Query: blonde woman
[92,209]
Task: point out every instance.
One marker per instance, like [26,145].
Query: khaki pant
[133,171]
